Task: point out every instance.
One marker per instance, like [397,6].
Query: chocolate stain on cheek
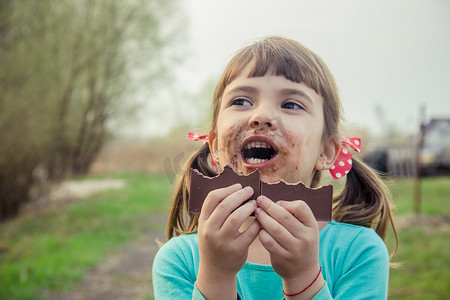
[230,150]
[288,165]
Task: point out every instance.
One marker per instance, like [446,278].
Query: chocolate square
[202,185]
[319,199]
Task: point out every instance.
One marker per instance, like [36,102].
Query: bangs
[276,56]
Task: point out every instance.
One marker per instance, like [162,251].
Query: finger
[271,244]
[301,211]
[214,197]
[225,207]
[276,230]
[238,217]
[247,237]
[281,215]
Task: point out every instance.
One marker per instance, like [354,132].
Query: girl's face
[272,124]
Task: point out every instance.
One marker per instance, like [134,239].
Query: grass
[425,271]
[54,251]
[435,195]
[423,247]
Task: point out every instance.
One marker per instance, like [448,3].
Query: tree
[66,70]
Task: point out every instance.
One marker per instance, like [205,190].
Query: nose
[263,118]
[255,123]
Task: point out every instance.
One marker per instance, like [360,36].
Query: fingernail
[260,200]
[248,189]
[237,186]
[257,211]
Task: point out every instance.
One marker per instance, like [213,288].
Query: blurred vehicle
[378,160]
[434,153]
[392,161]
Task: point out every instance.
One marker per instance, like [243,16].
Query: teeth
[257,145]
[255,160]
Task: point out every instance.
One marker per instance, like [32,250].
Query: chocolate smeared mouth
[258,151]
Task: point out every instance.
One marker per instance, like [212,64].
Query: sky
[391,59]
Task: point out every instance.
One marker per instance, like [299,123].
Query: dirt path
[124,274]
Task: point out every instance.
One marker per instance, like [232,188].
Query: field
[54,249]
[424,271]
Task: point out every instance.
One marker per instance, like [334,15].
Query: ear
[213,149]
[212,142]
[329,154]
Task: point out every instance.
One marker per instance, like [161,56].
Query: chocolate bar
[319,199]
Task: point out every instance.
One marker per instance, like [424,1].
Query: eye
[292,105]
[241,102]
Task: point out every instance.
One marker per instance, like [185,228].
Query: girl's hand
[290,233]
[223,249]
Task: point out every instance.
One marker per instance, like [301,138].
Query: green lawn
[435,194]
[56,249]
[424,246]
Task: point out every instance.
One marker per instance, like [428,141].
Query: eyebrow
[289,92]
[243,89]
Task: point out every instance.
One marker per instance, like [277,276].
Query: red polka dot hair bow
[343,163]
[197,137]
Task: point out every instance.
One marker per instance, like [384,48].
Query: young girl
[278,100]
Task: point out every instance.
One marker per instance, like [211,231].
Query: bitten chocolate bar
[319,199]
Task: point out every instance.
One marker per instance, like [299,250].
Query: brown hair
[364,200]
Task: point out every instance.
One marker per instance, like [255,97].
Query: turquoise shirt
[354,261]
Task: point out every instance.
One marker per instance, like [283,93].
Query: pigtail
[180,221]
[365,201]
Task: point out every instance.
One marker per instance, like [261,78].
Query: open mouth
[256,152]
